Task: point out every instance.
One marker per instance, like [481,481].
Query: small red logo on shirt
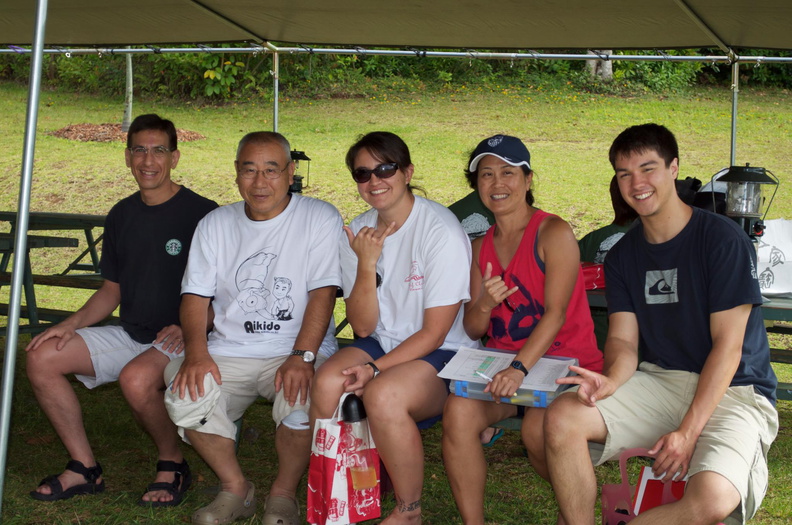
[415,278]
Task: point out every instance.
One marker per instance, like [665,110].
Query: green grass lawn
[568,134]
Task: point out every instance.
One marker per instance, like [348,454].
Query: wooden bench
[87,282]
[36,241]
[50,315]
[782,355]
[36,314]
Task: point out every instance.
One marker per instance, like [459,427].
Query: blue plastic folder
[528,398]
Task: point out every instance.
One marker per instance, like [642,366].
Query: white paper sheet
[467,361]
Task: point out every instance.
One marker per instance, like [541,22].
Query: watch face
[309,357]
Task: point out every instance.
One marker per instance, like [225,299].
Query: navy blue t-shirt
[673,287]
[145,250]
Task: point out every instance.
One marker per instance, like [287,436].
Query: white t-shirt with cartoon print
[426,263]
[259,274]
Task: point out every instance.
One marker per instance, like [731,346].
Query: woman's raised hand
[493,289]
[368,242]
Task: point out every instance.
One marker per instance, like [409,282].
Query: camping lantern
[302,171]
[745,197]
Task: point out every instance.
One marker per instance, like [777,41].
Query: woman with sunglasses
[403,286]
[527,296]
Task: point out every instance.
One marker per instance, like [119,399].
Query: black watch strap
[374,367]
[517,365]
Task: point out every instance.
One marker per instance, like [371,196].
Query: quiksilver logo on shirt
[661,287]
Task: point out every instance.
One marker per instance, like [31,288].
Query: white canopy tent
[108,25]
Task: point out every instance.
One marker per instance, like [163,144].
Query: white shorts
[244,381]
[733,443]
[111,348]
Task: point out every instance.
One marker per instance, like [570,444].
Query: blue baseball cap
[507,148]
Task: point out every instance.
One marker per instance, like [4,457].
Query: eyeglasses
[158,151]
[383,171]
[269,173]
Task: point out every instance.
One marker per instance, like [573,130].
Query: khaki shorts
[734,442]
[244,381]
[111,348]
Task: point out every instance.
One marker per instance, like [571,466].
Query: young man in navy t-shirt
[682,289]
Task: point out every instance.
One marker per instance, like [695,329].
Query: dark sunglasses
[383,171]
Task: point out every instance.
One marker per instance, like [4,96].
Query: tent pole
[20,241]
[129,94]
[275,87]
[275,72]
[735,87]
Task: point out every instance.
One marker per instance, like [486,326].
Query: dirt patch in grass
[110,133]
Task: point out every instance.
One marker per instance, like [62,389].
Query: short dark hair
[643,138]
[384,146]
[623,214]
[152,121]
[472,177]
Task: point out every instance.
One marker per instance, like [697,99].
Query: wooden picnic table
[39,221]
[77,274]
[33,242]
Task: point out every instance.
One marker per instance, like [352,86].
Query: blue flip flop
[495,437]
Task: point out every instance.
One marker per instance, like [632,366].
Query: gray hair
[265,137]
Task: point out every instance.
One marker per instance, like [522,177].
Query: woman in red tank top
[527,297]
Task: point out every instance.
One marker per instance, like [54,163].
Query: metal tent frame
[210,10]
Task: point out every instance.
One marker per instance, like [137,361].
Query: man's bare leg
[47,369]
[143,386]
[294,452]
[220,454]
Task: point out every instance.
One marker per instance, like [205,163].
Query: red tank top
[512,321]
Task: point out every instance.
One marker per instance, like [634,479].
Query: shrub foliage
[231,75]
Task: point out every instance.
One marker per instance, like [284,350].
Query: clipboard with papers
[469,367]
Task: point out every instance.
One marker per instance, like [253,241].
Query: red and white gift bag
[332,498]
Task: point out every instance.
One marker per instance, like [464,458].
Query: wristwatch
[517,365]
[307,355]
[374,367]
